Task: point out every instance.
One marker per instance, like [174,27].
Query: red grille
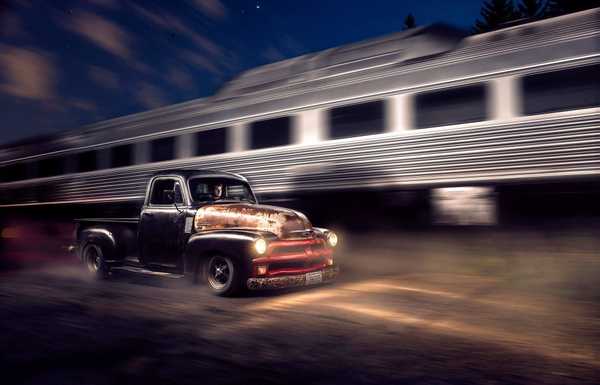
[298,264]
[295,256]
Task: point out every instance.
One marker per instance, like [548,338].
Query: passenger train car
[403,121]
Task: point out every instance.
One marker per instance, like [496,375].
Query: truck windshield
[220,190]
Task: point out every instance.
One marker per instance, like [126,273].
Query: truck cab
[208,226]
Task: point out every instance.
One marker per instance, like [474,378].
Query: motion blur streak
[495,335]
[299,299]
[345,298]
[382,287]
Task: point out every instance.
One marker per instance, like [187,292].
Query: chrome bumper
[329,274]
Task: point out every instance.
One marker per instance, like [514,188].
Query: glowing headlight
[260,246]
[332,239]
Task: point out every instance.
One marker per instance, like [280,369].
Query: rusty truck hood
[277,220]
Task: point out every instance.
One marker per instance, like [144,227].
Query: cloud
[82,104]
[150,96]
[205,43]
[142,67]
[201,62]
[157,19]
[211,8]
[27,74]
[171,23]
[104,33]
[179,78]
[11,26]
[103,77]
[110,4]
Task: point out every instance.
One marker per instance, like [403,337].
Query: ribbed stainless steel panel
[548,148]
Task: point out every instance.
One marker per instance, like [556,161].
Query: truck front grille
[295,256]
[299,264]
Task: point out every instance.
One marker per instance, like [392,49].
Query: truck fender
[101,237]
[237,245]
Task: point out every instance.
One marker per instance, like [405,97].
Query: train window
[562,90]
[211,142]
[51,167]
[32,170]
[356,120]
[14,172]
[44,192]
[163,149]
[86,161]
[121,156]
[270,133]
[451,106]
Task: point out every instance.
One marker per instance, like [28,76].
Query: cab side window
[163,192]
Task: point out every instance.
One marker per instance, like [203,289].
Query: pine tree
[409,21]
[531,9]
[495,13]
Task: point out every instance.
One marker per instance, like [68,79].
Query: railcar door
[162,222]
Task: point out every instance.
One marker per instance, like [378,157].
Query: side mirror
[178,194]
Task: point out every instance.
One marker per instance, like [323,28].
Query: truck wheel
[93,258]
[223,275]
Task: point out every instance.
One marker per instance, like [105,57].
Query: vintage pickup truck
[209,226]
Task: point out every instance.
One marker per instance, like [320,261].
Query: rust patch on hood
[276,220]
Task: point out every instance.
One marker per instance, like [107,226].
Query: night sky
[68,63]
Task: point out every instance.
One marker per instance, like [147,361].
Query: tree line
[496,14]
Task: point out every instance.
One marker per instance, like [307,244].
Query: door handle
[148,214]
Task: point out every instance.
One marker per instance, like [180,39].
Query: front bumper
[295,280]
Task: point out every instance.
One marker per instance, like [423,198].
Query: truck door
[161,224]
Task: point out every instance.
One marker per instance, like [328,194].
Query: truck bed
[123,231]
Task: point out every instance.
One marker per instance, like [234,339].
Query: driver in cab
[218,191]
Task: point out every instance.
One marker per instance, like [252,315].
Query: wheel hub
[219,272]
[93,260]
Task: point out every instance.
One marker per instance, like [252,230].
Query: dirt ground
[467,307]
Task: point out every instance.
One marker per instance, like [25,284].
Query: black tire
[223,275]
[93,259]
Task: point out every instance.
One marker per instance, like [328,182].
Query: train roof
[395,48]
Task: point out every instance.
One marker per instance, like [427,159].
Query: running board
[140,270]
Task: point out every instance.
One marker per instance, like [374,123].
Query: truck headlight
[332,239]
[260,246]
